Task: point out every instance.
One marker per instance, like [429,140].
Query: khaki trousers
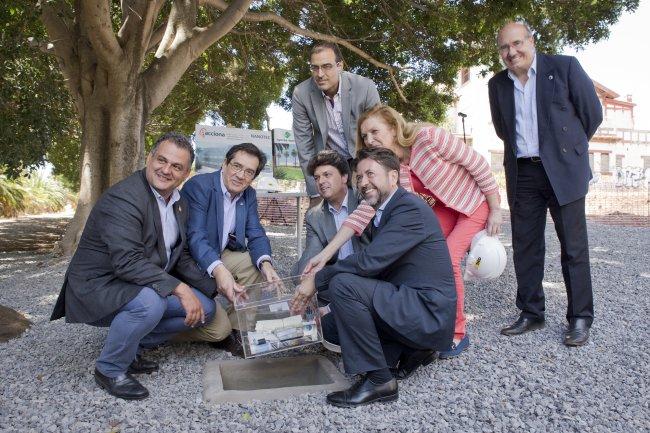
[245,273]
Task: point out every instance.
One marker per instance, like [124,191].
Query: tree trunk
[112,144]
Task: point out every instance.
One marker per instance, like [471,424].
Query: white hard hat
[267,183]
[486,259]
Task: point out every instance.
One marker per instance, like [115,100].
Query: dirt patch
[32,233]
[12,324]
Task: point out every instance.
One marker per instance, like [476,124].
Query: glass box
[268,325]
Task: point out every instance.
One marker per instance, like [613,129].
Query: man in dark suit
[132,270]
[395,300]
[224,231]
[325,108]
[545,110]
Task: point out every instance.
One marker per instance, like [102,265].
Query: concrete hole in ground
[269,378]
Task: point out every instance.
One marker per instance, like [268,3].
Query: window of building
[646,162]
[619,161]
[604,163]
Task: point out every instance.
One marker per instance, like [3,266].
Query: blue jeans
[146,321]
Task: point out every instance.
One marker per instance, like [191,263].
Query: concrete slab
[240,381]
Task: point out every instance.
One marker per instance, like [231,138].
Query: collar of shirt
[344,205]
[379,211]
[226,193]
[532,72]
[335,97]
[173,199]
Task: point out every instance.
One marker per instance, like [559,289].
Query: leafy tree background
[425,42]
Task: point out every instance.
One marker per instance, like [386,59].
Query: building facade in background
[617,149]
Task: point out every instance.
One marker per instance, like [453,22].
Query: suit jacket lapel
[545,87]
[181,218]
[240,219]
[329,226]
[157,223]
[507,100]
[318,103]
[218,203]
[346,102]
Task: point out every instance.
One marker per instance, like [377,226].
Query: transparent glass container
[267,322]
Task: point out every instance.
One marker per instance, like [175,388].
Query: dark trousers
[367,342]
[534,195]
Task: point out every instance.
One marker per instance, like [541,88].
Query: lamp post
[462,117]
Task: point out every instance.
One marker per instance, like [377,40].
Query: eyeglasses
[238,168]
[325,68]
[516,45]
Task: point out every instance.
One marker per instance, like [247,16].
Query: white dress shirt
[526,132]
[339,217]
[335,134]
[168,220]
[229,221]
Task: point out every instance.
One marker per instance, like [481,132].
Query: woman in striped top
[450,176]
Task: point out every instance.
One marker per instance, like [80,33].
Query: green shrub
[32,194]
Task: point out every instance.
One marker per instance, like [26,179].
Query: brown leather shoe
[231,343]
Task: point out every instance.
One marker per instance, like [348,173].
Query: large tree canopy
[138,66]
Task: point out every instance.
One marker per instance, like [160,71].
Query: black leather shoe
[409,364]
[141,365]
[578,332]
[123,386]
[231,343]
[523,324]
[364,392]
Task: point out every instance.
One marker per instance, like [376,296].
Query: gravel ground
[503,384]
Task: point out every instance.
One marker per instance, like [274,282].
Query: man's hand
[191,304]
[226,284]
[269,272]
[313,201]
[315,264]
[493,224]
[304,293]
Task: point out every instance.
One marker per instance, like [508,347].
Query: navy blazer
[409,251]
[568,114]
[205,223]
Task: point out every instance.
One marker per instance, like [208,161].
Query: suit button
[564,149]
[564,128]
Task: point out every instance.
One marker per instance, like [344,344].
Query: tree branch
[268,16]
[156,36]
[178,50]
[96,18]
[63,46]
[232,14]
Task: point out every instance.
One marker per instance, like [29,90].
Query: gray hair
[529,31]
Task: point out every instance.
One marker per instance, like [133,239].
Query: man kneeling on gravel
[132,271]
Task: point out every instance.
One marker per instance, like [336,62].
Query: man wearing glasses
[224,232]
[545,109]
[326,107]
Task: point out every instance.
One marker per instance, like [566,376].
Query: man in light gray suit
[326,107]
[331,174]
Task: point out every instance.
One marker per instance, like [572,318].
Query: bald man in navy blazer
[545,109]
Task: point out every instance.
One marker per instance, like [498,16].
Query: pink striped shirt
[454,172]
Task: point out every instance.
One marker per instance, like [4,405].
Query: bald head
[516,47]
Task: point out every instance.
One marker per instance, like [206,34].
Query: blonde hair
[405,132]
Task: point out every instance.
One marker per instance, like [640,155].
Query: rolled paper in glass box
[267,322]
